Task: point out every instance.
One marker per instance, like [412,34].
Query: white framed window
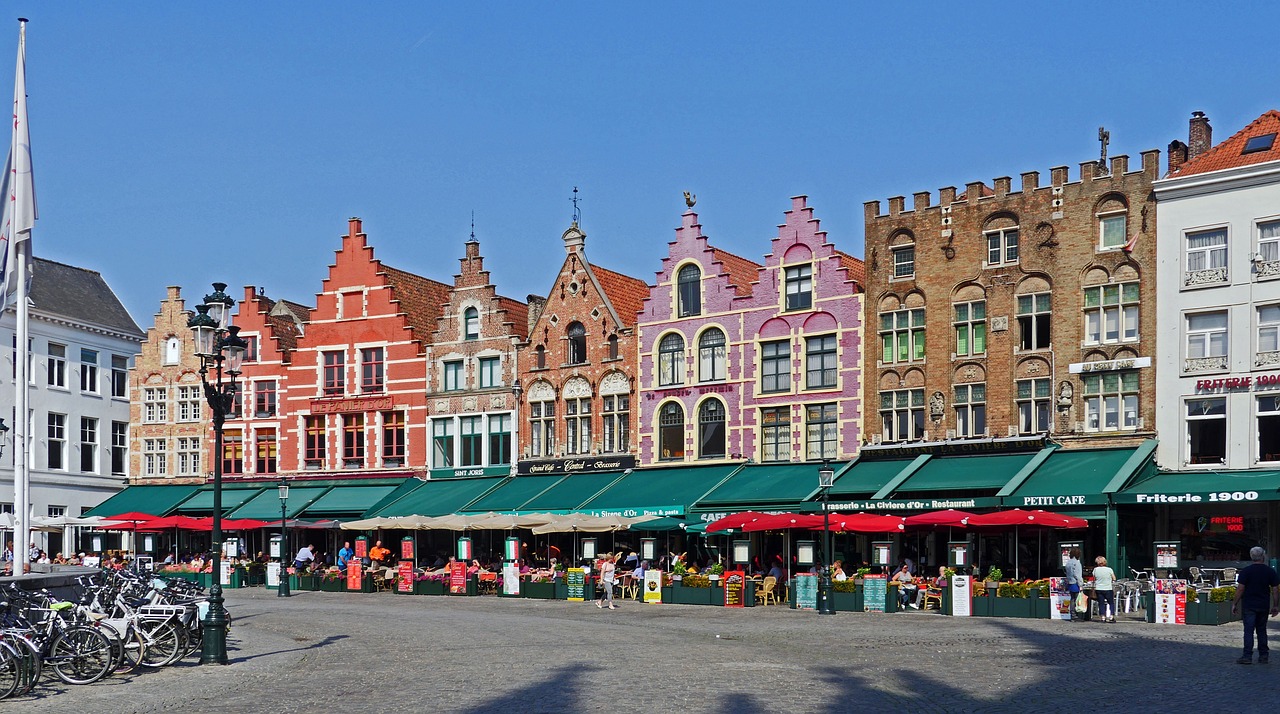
[471,440]
[1269,240]
[1111,313]
[971,410]
[671,360]
[711,431]
[188,456]
[155,405]
[1035,321]
[89,445]
[119,377]
[471,324]
[902,335]
[775,366]
[904,261]
[616,411]
[155,457]
[577,423]
[1034,409]
[442,443]
[1002,246]
[821,366]
[1207,431]
[799,279]
[188,403]
[822,431]
[689,290]
[453,376]
[775,434]
[902,414]
[57,365]
[1268,416]
[490,372]
[1110,401]
[711,356]
[543,435]
[88,371]
[119,447]
[1269,328]
[970,323]
[1207,334]
[1207,250]
[1112,230]
[499,439]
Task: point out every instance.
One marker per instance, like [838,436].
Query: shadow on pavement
[331,639]
[558,693]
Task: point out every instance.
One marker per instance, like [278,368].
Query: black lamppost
[283,589]
[826,477]
[220,348]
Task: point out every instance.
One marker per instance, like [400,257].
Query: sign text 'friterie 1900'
[351,404]
[1258,381]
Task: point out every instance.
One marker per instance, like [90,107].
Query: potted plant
[430,584]
[994,576]
[333,581]
[1212,607]
[692,590]
[846,596]
[859,575]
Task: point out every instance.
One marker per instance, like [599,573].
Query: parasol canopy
[734,521]
[862,523]
[1019,517]
[782,521]
[950,517]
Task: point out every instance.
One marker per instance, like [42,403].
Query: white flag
[17,187]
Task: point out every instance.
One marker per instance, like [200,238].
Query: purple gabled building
[740,360]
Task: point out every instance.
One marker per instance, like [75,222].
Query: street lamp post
[219,347]
[283,589]
[826,476]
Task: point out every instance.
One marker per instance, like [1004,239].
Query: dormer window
[471,323]
[799,280]
[577,343]
[689,289]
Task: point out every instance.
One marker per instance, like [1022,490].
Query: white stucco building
[83,342]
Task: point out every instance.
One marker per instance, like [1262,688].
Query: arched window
[471,323]
[613,347]
[671,432]
[711,357]
[671,360]
[540,356]
[688,284]
[711,430]
[577,343]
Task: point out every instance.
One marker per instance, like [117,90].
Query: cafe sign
[587,464]
[1231,384]
[351,404]
[919,504]
[1109,365]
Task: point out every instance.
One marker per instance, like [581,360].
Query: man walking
[1075,579]
[1257,588]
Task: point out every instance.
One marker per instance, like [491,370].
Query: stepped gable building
[1004,312]
[471,366]
[578,367]
[356,401]
[740,360]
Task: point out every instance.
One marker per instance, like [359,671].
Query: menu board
[355,576]
[576,580]
[362,547]
[457,578]
[734,585]
[804,588]
[874,590]
[1171,602]
[510,579]
[273,575]
[1167,554]
[653,586]
[406,549]
[405,571]
[881,552]
[961,592]
[224,568]
[1059,599]
[959,554]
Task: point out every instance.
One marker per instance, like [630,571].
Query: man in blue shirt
[345,554]
[1257,589]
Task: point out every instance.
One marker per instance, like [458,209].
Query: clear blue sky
[179,143]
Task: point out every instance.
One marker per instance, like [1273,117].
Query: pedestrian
[345,554]
[607,573]
[303,558]
[1257,588]
[1104,585]
[1075,578]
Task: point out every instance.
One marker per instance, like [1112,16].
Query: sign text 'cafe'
[1261,381]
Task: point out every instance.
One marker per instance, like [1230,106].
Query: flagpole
[21,475]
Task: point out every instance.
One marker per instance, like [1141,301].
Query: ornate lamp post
[826,477]
[283,589]
[220,348]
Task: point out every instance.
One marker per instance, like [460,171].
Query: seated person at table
[777,571]
[906,587]
[837,571]
[474,567]
[378,554]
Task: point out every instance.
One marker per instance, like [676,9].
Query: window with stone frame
[775,366]
[577,335]
[155,457]
[1035,320]
[454,376]
[1111,313]
[119,377]
[264,398]
[540,357]
[904,261]
[56,442]
[233,452]
[335,378]
[970,403]
[543,433]
[89,371]
[265,442]
[316,447]
[577,424]
[189,402]
[822,431]
[711,429]
[775,434]
[442,451]
[188,455]
[1112,230]
[1268,416]
[57,376]
[902,415]
[490,372]
[671,360]
[1110,400]
[799,287]
[1268,334]
[711,356]
[1269,241]
[372,370]
[393,439]
[499,439]
[471,324]
[88,445]
[119,447]
[689,290]
[671,431]
[1207,250]
[1206,430]
[155,405]
[970,324]
[822,369]
[902,336]
[613,347]
[353,441]
[471,441]
[1206,340]
[1002,246]
[1034,401]
[616,414]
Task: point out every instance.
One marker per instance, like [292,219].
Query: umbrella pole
[1015,552]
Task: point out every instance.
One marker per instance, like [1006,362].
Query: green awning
[266,505]
[514,493]
[201,503]
[403,489]
[755,486]
[662,524]
[866,477]
[1070,477]
[1199,487]
[570,492]
[346,501]
[658,492]
[154,500]
[439,497]
[963,473]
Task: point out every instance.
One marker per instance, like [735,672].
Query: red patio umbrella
[782,521]
[734,521]
[1019,517]
[136,516]
[862,523]
[950,517]
[242,524]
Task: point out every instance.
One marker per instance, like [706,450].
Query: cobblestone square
[385,653]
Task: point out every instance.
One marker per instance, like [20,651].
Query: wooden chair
[766,593]
[933,595]
[385,580]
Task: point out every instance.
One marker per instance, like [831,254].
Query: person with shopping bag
[1075,579]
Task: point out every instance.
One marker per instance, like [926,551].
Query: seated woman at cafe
[474,567]
[906,586]
[837,571]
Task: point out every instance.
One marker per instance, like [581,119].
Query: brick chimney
[1177,155]
[1200,135]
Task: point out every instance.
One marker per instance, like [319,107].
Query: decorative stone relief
[442,406]
[1033,368]
[1205,277]
[469,404]
[937,406]
[970,373]
[541,392]
[1268,269]
[1201,364]
[615,383]
[576,388]
[498,401]
[1266,359]
[1000,324]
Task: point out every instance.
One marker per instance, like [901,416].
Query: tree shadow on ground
[331,639]
[560,692]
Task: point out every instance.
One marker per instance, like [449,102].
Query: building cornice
[1217,181]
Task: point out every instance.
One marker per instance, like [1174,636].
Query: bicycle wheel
[30,664]
[164,644]
[10,671]
[80,655]
[127,647]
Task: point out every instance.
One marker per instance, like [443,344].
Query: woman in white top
[607,574]
[1104,584]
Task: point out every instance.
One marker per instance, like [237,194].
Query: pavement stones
[320,652]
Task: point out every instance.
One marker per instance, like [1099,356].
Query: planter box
[562,589]
[308,582]
[336,585]
[429,587]
[717,595]
[1203,612]
[847,602]
[1012,607]
[538,591]
[668,593]
[681,595]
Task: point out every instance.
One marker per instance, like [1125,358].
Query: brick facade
[950,308]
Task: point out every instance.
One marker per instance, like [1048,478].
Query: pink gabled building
[740,360]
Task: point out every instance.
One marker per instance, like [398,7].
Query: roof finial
[690,199]
[577,215]
[1104,138]
[473,226]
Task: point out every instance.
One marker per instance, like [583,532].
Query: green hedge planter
[335,585]
[1202,612]
[429,587]
[847,602]
[538,591]
[682,595]
[367,585]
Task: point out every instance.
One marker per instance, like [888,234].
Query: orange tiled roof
[857,269]
[1229,154]
[742,272]
[302,312]
[421,299]
[625,293]
[517,314]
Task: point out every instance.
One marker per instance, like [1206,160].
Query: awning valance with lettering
[440,497]
[201,502]
[155,500]
[666,491]
[1203,487]
[471,472]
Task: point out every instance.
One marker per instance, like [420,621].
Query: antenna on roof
[473,226]
[1104,138]
[577,215]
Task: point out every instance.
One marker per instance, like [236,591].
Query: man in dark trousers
[1257,589]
